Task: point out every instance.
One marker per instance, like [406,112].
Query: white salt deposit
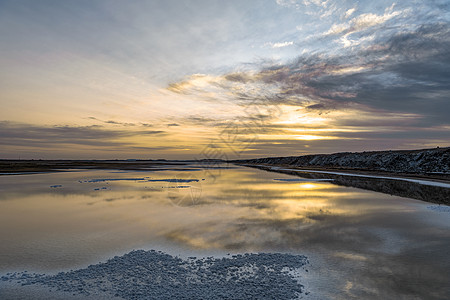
[156,275]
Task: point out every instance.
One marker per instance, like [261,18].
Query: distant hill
[423,161]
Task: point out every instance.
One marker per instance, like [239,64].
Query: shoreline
[22,167]
[28,167]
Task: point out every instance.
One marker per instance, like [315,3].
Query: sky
[110,79]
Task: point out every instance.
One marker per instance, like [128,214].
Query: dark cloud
[407,71]
[159,132]
[19,134]
[239,77]
[199,120]
[316,106]
[391,93]
[158,148]
[117,123]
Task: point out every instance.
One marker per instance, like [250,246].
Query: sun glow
[313,137]
[309,186]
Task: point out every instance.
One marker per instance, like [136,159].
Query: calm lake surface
[360,244]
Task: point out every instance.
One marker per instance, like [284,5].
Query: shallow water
[360,244]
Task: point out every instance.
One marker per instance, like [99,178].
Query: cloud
[281,45]
[349,12]
[316,106]
[21,134]
[294,3]
[392,81]
[362,21]
[318,8]
[288,3]
[404,71]
[368,20]
[200,120]
[199,82]
[112,122]
[337,29]
[412,67]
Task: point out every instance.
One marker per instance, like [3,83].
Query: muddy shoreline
[17,167]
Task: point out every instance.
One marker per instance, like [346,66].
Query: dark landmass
[12,167]
[425,163]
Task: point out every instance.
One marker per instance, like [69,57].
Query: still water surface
[360,244]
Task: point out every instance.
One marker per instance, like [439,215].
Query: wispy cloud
[281,44]
[126,124]
[362,21]
[111,122]
[349,12]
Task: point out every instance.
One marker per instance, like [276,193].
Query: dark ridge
[431,162]
[32,166]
